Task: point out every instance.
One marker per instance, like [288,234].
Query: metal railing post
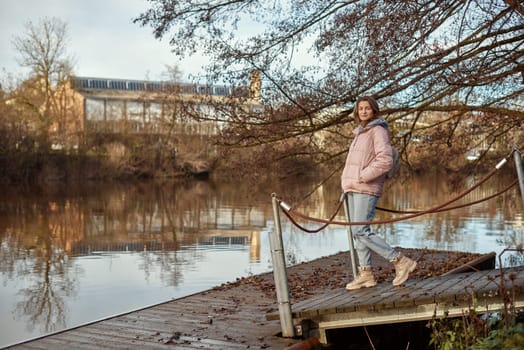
[350,237]
[520,171]
[280,273]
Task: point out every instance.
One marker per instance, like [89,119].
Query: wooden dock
[241,314]
[451,294]
[226,319]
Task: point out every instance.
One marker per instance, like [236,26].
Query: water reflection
[70,255]
[52,238]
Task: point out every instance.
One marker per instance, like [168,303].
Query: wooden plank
[242,323]
[314,306]
[76,339]
[116,339]
[387,297]
[206,343]
[404,297]
[484,262]
[439,292]
[517,279]
[399,295]
[342,297]
[153,339]
[494,281]
[312,303]
[424,294]
[382,297]
[50,343]
[362,299]
[459,286]
[466,292]
[239,325]
[143,326]
[164,316]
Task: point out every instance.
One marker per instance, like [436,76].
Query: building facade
[139,107]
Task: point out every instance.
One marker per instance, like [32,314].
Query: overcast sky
[102,37]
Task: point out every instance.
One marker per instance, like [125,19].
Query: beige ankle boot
[364,279]
[403,266]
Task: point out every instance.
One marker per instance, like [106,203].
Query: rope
[456,206]
[412,214]
[326,222]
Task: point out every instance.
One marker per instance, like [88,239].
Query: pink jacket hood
[369,159]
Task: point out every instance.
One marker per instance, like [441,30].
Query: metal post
[350,237]
[520,171]
[280,273]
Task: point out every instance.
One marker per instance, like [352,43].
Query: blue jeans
[362,209]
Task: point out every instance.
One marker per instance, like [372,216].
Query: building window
[99,84]
[135,111]
[154,112]
[115,110]
[94,109]
[118,85]
[136,86]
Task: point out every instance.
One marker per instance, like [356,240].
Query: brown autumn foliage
[452,71]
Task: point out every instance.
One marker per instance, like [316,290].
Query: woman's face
[365,112]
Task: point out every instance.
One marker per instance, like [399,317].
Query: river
[74,254]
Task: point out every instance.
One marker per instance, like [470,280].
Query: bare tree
[173,73]
[433,64]
[43,49]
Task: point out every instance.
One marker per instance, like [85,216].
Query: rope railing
[291,213]
[277,247]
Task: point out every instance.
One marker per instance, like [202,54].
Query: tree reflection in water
[38,255]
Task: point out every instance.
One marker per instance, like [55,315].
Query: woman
[367,163]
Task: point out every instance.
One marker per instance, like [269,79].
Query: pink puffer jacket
[369,158]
